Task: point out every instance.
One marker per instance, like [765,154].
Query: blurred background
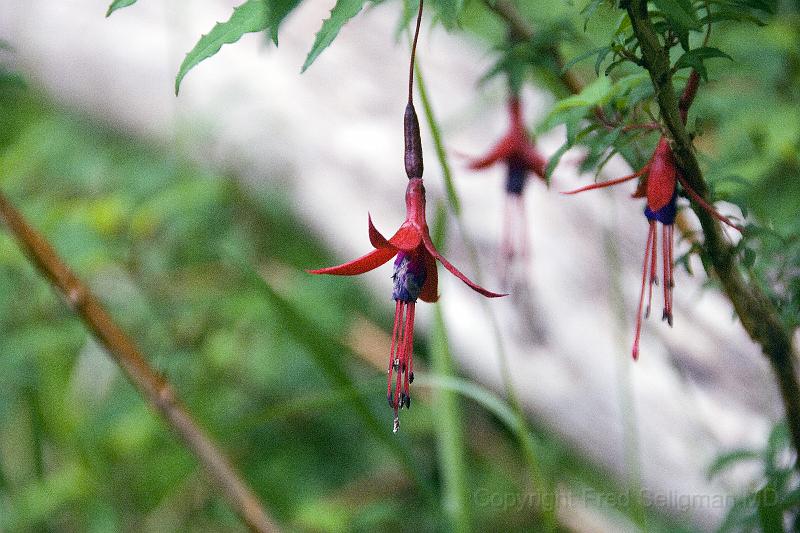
[194,219]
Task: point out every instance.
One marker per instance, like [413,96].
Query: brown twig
[150,384]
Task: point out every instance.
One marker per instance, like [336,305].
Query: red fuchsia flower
[414,277]
[658,184]
[415,256]
[518,151]
[658,181]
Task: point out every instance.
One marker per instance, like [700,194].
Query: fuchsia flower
[658,184]
[518,151]
[415,256]
[414,277]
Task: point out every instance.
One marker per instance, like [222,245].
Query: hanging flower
[414,277]
[658,184]
[519,153]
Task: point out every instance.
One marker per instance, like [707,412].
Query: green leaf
[769,509]
[119,4]
[601,51]
[449,11]
[450,432]
[279,10]
[246,18]
[680,13]
[768,6]
[341,13]
[552,163]
[727,460]
[598,92]
[695,58]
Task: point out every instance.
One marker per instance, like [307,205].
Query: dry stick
[154,387]
[759,316]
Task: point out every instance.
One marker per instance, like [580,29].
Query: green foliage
[118,4]
[695,59]
[620,102]
[774,500]
[252,16]
[449,12]
[680,14]
[278,11]
[342,12]
[521,61]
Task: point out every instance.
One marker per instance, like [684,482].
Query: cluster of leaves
[268,15]
[518,59]
[774,502]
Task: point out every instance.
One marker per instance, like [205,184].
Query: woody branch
[150,384]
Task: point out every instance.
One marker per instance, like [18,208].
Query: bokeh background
[194,219]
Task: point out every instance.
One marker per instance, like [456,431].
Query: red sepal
[363,264]
[426,239]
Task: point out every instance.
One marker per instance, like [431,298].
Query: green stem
[450,430]
[441,155]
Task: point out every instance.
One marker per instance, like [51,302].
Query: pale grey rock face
[334,138]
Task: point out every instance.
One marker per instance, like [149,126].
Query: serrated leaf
[246,18]
[278,11]
[342,12]
[680,13]
[119,4]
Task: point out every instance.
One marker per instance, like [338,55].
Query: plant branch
[758,315]
[150,384]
